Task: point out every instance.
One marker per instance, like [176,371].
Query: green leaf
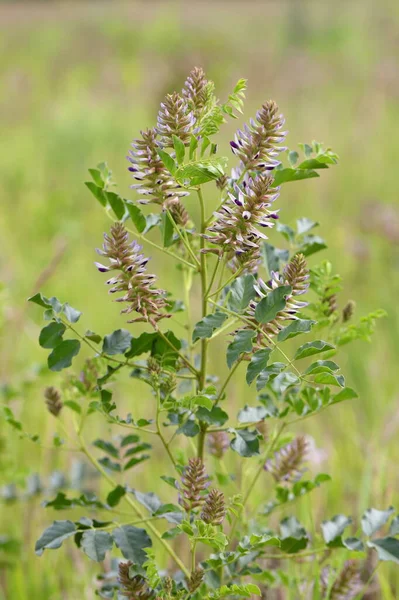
[286,231]
[246,443]
[289,174]
[167,230]
[311,348]
[193,147]
[203,401]
[197,173]
[252,414]
[167,161]
[132,541]
[62,355]
[96,543]
[116,495]
[93,337]
[54,535]
[387,548]
[71,313]
[97,192]
[273,257]
[242,343]
[116,203]
[151,501]
[179,149]
[51,335]
[373,519]
[97,178]
[330,379]
[137,216]
[321,366]
[207,325]
[216,416]
[353,544]
[141,344]
[311,244]
[293,157]
[117,342]
[304,225]
[334,528]
[270,372]
[106,447]
[293,535]
[295,328]
[41,300]
[267,309]
[258,364]
[345,394]
[241,293]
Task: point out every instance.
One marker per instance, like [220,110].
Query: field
[78,82]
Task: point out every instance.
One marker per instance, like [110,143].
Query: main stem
[204,342]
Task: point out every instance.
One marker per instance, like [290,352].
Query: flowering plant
[210,531]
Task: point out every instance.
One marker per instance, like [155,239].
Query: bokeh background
[77,83]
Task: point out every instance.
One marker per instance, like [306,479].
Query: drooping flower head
[136,285]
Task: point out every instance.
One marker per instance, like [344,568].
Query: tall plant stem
[265,456]
[204,342]
[132,504]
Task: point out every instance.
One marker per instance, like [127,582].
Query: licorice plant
[249,288]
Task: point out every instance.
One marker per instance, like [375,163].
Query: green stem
[154,245]
[213,278]
[135,508]
[160,434]
[255,328]
[193,561]
[226,383]
[184,359]
[226,283]
[183,239]
[204,342]
[265,456]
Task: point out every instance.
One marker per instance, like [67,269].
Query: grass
[77,83]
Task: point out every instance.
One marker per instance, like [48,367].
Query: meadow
[78,81]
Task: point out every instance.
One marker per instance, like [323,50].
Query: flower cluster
[214,509]
[295,275]
[236,227]
[347,585]
[53,400]
[156,184]
[287,462]
[133,280]
[194,483]
[196,579]
[134,588]
[174,118]
[257,144]
[194,90]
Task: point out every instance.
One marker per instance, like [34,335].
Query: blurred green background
[77,83]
